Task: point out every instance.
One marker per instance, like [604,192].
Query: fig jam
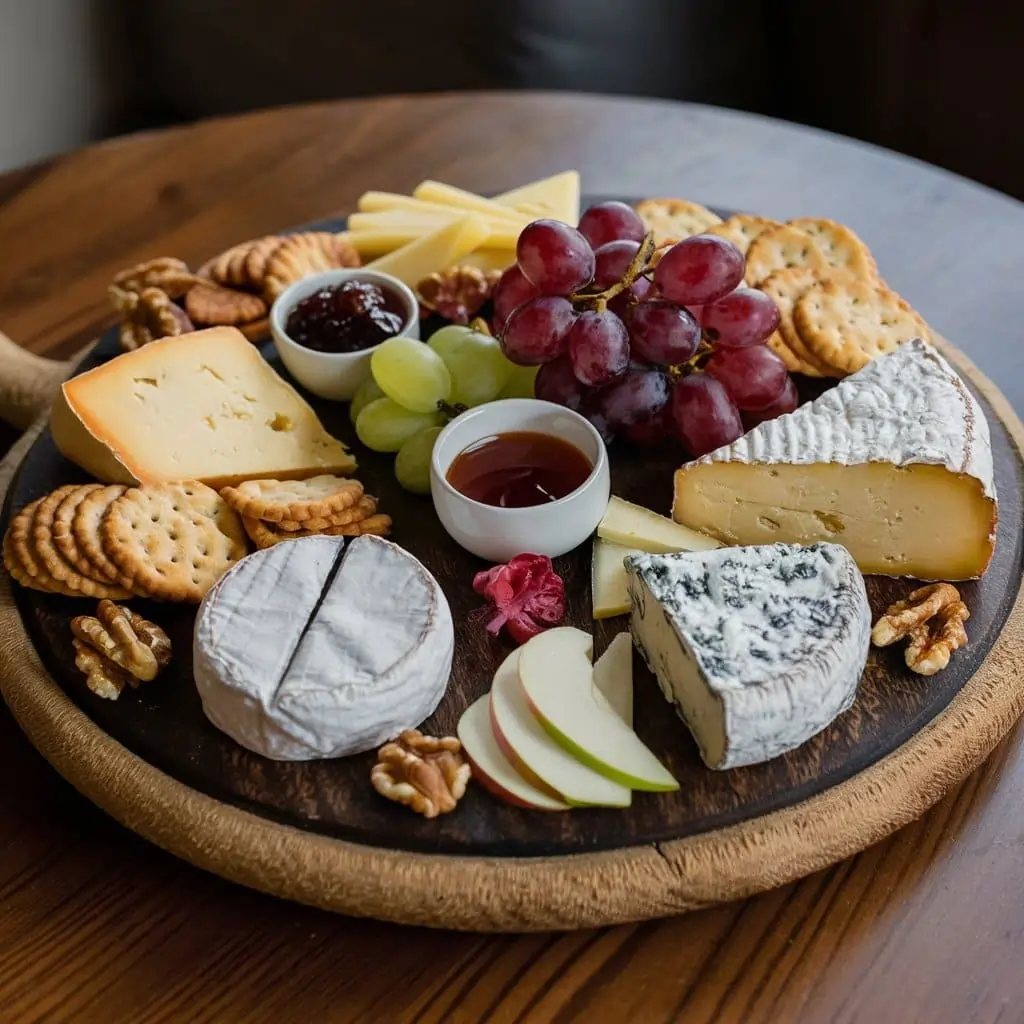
[346,317]
[519,469]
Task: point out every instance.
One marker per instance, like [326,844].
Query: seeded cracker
[675,219]
[780,248]
[840,246]
[741,229]
[317,497]
[174,541]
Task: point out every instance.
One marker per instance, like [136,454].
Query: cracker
[49,556]
[780,248]
[840,245]
[212,304]
[243,265]
[849,323]
[85,537]
[317,497]
[257,258]
[173,540]
[257,330]
[266,535]
[303,254]
[785,287]
[675,219]
[18,559]
[794,364]
[366,506]
[741,229]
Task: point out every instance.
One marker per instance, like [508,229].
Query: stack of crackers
[273,511]
[234,289]
[837,314]
[171,541]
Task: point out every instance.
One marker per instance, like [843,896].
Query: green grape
[520,383]
[411,374]
[385,426]
[369,391]
[412,464]
[478,369]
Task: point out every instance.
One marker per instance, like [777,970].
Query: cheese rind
[894,463]
[312,650]
[758,648]
[203,406]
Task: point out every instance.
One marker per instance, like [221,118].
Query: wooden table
[96,925]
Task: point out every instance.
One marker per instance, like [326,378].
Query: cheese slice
[609,581]
[633,526]
[442,247]
[490,259]
[895,463]
[202,406]
[315,649]
[379,202]
[414,225]
[557,197]
[758,648]
[448,195]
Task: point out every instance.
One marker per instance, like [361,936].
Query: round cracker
[53,561]
[365,507]
[840,245]
[675,219]
[173,540]
[19,558]
[317,497]
[303,254]
[257,258]
[793,363]
[214,304]
[848,323]
[741,229]
[266,535]
[781,248]
[85,531]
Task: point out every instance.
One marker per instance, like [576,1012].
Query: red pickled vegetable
[526,594]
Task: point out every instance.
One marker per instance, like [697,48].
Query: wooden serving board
[317,831]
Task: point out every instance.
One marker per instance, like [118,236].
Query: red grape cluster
[644,354]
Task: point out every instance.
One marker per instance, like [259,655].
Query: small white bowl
[499,534]
[334,375]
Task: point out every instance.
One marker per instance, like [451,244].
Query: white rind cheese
[895,463]
[758,648]
[310,650]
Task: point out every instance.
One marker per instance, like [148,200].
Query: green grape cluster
[415,388]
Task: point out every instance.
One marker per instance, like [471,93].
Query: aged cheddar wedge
[895,463]
[557,197]
[203,406]
[440,248]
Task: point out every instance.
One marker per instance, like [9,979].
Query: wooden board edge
[498,894]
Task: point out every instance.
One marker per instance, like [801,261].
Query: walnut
[118,646]
[423,772]
[146,316]
[166,273]
[457,293]
[933,618]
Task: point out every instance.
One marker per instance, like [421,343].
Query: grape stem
[480,325]
[450,411]
[640,262]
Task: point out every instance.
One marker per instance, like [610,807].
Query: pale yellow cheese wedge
[633,526]
[557,197]
[460,199]
[439,249]
[379,202]
[488,259]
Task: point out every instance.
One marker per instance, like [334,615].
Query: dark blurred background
[938,79]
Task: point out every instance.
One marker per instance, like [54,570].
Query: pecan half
[425,773]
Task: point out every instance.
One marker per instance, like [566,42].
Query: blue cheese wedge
[315,649]
[758,648]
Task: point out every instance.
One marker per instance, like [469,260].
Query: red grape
[598,347]
[654,432]
[786,402]
[556,382]
[511,291]
[753,376]
[662,332]
[639,290]
[704,415]
[555,257]
[637,397]
[590,409]
[699,269]
[611,261]
[607,222]
[536,331]
[743,317]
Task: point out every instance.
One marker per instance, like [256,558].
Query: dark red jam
[346,317]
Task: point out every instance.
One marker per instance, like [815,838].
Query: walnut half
[933,618]
[423,772]
[456,293]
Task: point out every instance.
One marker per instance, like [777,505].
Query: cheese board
[178,762]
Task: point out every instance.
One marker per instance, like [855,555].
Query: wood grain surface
[97,925]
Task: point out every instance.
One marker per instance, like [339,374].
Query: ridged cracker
[212,304]
[741,229]
[266,535]
[49,556]
[303,254]
[173,540]
[675,219]
[85,533]
[317,497]
[849,323]
[840,245]
[366,506]
[258,257]
[780,248]
[27,571]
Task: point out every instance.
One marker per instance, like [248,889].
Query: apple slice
[493,770]
[558,679]
[613,676]
[535,755]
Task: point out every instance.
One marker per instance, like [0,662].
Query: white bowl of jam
[519,476]
[327,325]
